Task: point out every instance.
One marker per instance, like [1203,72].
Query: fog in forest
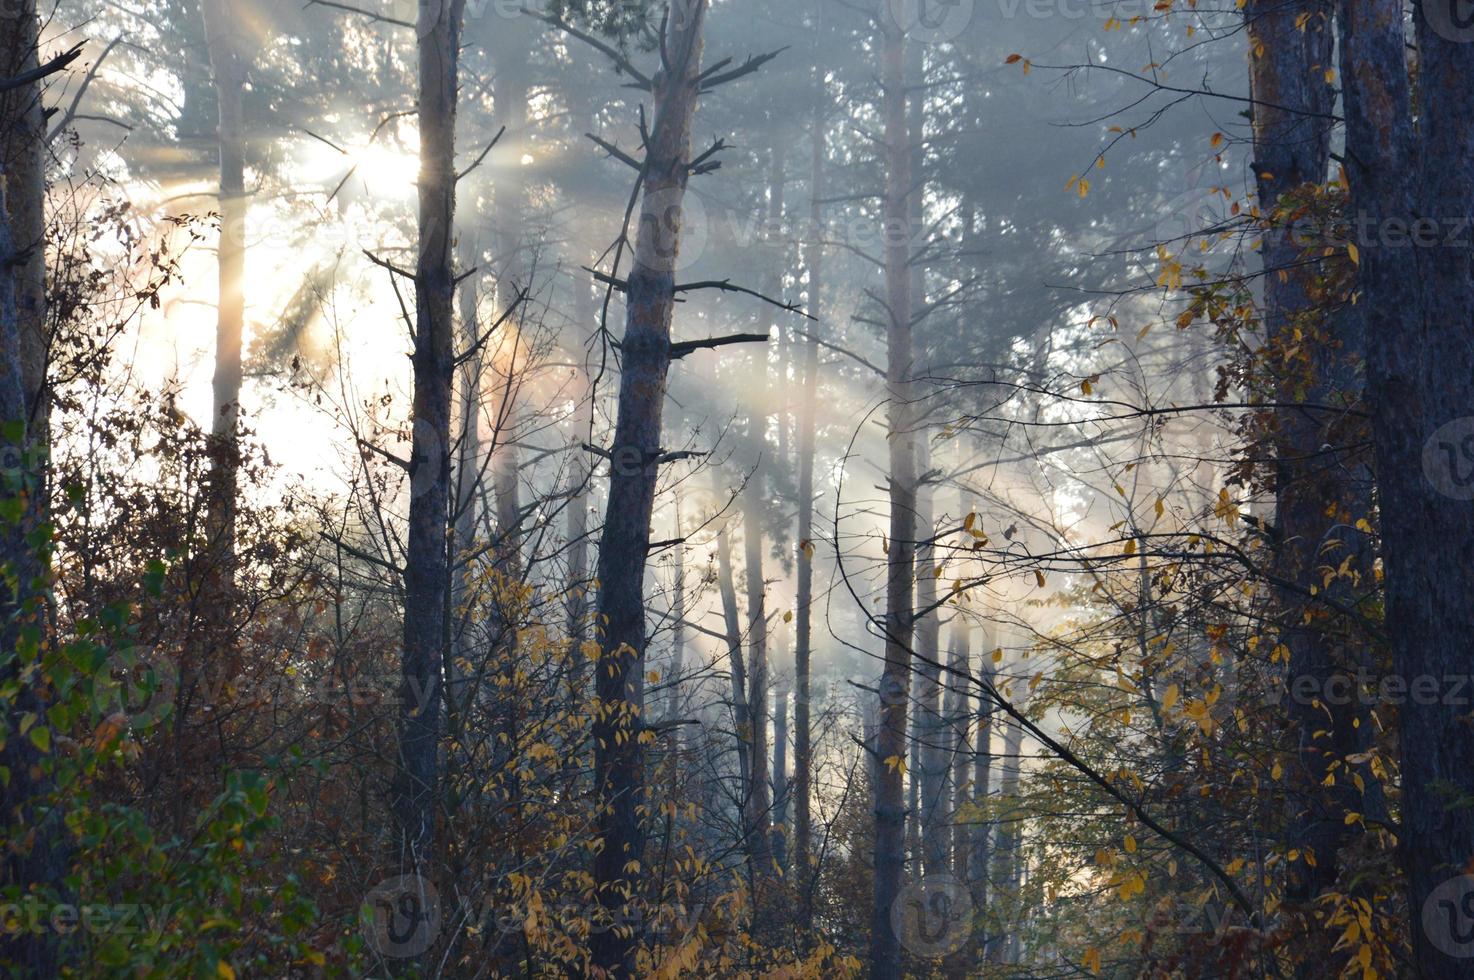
[725,488]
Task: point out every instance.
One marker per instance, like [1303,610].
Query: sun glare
[383,170]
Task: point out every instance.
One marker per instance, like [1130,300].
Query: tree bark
[737,665]
[1006,859]
[228,69]
[930,733]
[780,775]
[23,144]
[645,350]
[460,671]
[803,753]
[1420,362]
[958,723]
[427,567]
[1319,497]
[890,807]
[38,855]
[759,800]
[576,605]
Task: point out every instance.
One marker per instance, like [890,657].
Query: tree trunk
[759,802]
[727,586]
[37,856]
[460,671]
[780,775]
[23,145]
[645,349]
[1318,497]
[979,837]
[890,807]
[803,753]
[958,722]
[1420,362]
[1007,866]
[510,205]
[427,569]
[675,700]
[935,767]
[576,605]
[229,70]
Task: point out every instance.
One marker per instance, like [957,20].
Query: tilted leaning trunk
[427,566]
[890,806]
[1319,497]
[635,458]
[1420,384]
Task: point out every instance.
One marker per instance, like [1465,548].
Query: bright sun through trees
[736,488]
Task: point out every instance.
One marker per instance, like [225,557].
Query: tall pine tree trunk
[803,753]
[37,855]
[466,489]
[759,802]
[1420,384]
[228,68]
[635,454]
[427,568]
[230,78]
[576,604]
[1318,500]
[958,723]
[890,804]
[737,665]
[930,733]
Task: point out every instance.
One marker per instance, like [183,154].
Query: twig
[36,74]
[373,17]
[684,347]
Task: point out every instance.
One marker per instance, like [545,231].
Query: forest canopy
[736,488]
